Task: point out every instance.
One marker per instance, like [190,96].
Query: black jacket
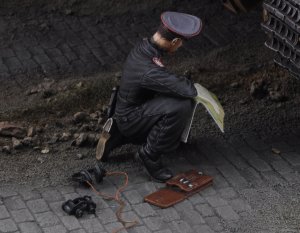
[144,76]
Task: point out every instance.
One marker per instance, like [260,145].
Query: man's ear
[175,41]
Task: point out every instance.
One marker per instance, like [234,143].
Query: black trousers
[158,123]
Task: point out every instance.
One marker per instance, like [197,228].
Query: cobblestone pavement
[254,190]
[53,43]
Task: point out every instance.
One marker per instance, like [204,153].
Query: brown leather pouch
[179,188]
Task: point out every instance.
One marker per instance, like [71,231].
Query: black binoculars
[79,205]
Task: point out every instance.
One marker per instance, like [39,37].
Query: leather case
[179,188]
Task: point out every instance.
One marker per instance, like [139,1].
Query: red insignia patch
[158,62]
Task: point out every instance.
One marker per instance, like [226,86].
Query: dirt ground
[257,97]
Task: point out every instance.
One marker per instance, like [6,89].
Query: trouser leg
[159,123]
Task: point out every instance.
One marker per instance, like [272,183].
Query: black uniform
[153,105]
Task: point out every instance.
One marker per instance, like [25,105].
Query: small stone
[118,75]
[36,148]
[54,139]
[44,26]
[31,132]
[65,137]
[39,129]
[40,160]
[276,151]
[100,120]
[6,149]
[45,150]
[79,85]
[48,93]
[17,144]
[258,89]
[234,85]
[84,128]
[27,141]
[277,96]
[188,74]
[80,156]
[92,139]
[13,130]
[80,117]
[68,12]
[81,140]
[94,116]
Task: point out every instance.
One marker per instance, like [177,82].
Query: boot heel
[104,137]
[101,145]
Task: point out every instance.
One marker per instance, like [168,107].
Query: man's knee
[181,107]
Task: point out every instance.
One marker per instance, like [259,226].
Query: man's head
[175,28]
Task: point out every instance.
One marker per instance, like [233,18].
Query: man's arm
[160,80]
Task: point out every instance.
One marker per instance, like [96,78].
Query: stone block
[7,225]
[55,229]
[47,219]
[205,210]
[92,225]
[30,227]
[22,215]
[37,206]
[107,216]
[3,212]
[14,203]
[227,213]
[70,222]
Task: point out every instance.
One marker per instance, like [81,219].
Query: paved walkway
[254,190]
[52,43]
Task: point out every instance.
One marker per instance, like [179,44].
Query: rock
[31,132]
[80,117]
[79,85]
[94,116]
[39,129]
[234,85]
[27,141]
[41,160]
[65,137]
[36,148]
[13,130]
[258,89]
[188,74]
[46,150]
[84,128]
[276,96]
[48,93]
[81,140]
[92,139]
[54,139]
[16,144]
[118,75]
[68,12]
[244,101]
[100,121]
[6,149]
[80,156]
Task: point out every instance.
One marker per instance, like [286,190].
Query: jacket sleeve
[160,80]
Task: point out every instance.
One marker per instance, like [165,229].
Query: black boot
[154,166]
[110,139]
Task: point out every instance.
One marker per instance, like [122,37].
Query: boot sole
[104,137]
[101,145]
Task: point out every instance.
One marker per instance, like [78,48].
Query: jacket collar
[152,49]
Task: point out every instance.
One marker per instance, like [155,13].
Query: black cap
[181,24]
